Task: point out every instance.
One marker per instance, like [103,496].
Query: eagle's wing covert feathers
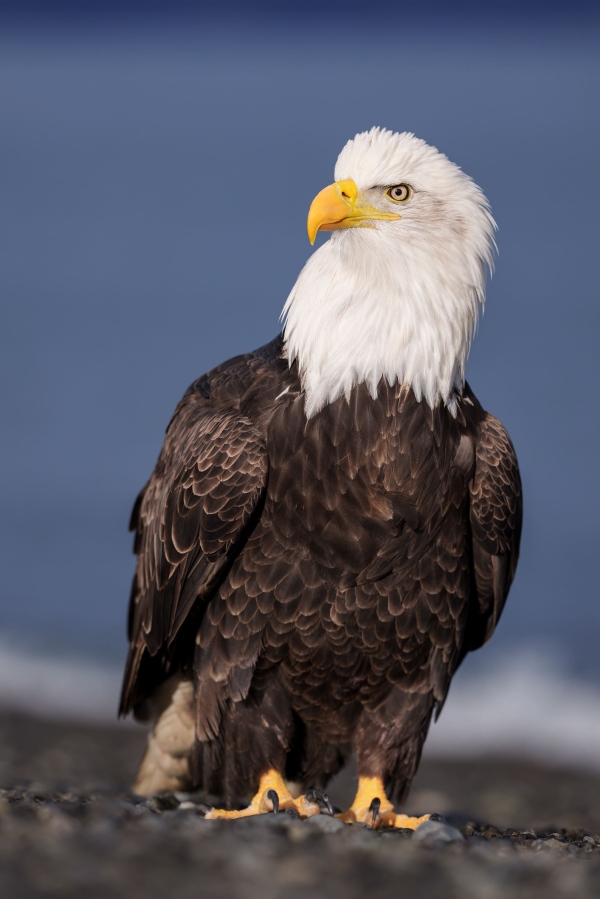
[190,520]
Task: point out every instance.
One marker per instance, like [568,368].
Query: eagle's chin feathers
[398,300]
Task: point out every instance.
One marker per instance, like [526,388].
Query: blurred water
[155,188]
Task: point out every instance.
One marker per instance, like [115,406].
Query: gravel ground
[69,828]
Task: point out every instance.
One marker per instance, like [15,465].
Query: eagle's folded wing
[496,516]
[190,520]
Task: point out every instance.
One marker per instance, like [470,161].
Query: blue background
[157,166]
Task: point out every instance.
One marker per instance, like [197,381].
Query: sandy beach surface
[70,828]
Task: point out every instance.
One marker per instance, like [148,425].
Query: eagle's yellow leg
[371,806]
[273,795]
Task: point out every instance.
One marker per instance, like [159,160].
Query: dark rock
[490,832]
[161,803]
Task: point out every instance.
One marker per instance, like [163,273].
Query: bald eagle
[334,520]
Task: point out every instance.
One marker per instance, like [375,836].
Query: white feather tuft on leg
[166,764]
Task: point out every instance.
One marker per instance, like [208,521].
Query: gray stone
[551,845]
[432,832]
[267,821]
[325,823]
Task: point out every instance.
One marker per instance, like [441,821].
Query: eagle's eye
[399,193]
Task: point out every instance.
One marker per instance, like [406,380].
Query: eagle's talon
[319,797]
[374,809]
[273,797]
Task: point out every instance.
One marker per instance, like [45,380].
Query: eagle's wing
[496,515]
[191,519]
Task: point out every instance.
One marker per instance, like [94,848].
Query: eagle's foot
[274,796]
[372,807]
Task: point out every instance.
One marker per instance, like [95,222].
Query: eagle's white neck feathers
[399,301]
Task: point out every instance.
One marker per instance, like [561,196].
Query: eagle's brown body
[319,579]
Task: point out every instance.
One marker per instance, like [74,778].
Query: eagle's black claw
[272,795]
[321,798]
[374,808]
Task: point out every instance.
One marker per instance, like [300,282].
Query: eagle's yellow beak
[337,206]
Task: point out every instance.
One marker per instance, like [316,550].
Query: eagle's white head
[395,292]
